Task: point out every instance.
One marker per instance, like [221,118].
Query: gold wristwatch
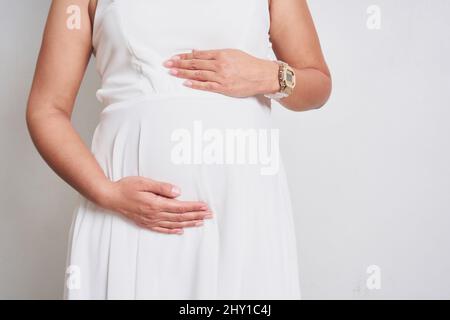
[286,77]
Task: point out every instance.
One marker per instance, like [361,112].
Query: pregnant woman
[183,194]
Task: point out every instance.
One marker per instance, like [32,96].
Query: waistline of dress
[118,105]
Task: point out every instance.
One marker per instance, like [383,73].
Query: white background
[369,173]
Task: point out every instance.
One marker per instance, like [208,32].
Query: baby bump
[195,143]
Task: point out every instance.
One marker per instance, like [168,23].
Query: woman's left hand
[229,71]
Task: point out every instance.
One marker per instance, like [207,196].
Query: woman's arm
[61,65]
[238,74]
[295,41]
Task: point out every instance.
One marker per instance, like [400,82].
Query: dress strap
[101,6]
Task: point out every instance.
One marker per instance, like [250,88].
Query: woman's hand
[152,205]
[230,72]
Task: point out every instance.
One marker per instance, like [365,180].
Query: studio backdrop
[369,172]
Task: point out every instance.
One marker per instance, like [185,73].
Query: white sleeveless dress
[248,250]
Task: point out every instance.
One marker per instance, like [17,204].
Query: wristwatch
[286,77]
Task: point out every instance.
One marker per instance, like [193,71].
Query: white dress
[248,250]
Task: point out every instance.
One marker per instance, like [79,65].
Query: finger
[200,54]
[180,225]
[192,64]
[160,188]
[166,230]
[204,85]
[199,75]
[205,54]
[150,225]
[181,217]
[176,206]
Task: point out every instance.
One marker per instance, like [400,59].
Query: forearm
[64,151]
[295,41]
[312,90]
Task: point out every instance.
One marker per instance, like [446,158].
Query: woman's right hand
[66,52]
[153,205]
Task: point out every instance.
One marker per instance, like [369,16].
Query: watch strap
[284,90]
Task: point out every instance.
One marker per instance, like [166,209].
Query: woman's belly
[249,244]
[197,143]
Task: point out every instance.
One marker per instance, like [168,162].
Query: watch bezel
[286,87]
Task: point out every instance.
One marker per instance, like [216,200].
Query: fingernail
[168,63]
[199,223]
[174,71]
[176,191]
[179,231]
[188,83]
[204,207]
[175,58]
[209,216]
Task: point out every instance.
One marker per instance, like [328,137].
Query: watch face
[289,77]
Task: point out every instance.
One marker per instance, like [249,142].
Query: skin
[237,74]
[151,204]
